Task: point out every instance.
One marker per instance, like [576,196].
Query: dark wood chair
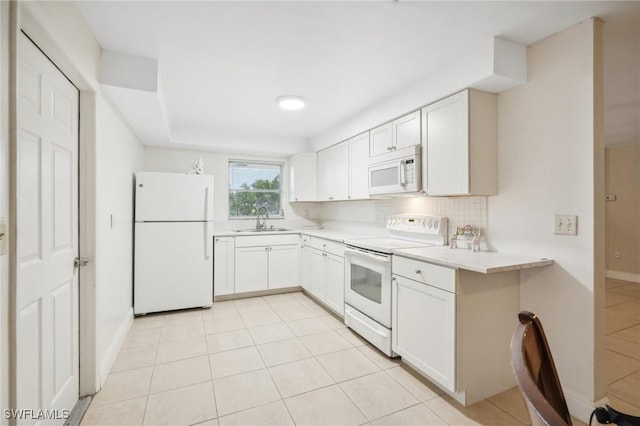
[536,374]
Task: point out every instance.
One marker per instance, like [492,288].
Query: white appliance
[397,172]
[368,273]
[173,263]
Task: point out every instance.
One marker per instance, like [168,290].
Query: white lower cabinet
[317,272]
[283,266]
[334,287]
[266,262]
[454,326]
[305,273]
[324,263]
[424,324]
[223,266]
[252,267]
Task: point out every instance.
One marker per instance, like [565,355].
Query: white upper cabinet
[400,133]
[406,130]
[303,177]
[381,140]
[333,172]
[460,145]
[358,163]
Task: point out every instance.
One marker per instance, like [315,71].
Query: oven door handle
[376,257]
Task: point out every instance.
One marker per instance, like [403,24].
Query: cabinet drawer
[426,273]
[328,246]
[267,240]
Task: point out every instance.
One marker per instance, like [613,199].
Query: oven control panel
[418,223]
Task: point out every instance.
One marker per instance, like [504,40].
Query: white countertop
[338,235]
[485,262]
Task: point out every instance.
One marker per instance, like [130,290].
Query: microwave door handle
[403,173]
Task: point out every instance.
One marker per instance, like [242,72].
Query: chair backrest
[536,374]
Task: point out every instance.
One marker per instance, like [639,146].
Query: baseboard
[581,408]
[624,276]
[116,343]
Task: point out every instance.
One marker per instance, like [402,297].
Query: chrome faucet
[259,209]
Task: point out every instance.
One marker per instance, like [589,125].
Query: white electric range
[368,273]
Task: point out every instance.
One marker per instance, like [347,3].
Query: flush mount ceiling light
[290,102]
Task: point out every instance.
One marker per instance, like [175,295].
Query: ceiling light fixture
[290,102]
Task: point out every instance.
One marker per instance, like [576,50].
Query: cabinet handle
[388,148]
[418,271]
[217,240]
[266,248]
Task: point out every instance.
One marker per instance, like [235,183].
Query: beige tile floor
[623,345]
[283,360]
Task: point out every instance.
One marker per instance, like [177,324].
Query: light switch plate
[565,224]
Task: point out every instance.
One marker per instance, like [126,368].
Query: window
[252,185]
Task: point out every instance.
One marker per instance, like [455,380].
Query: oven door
[368,283]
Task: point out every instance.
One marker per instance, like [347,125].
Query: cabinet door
[340,162]
[305,265]
[446,146]
[381,140]
[251,269]
[303,177]
[325,175]
[317,274]
[284,266]
[406,130]
[223,266]
[358,167]
[424,329]
[334,293]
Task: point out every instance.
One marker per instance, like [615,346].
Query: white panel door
[340,162]
[224,266]
[381,140]
[358,167]
[162,197]
[325,175]
[447,146]
[284,266]
[424,329]
[317,274]
[173,266]
[305,266]
[251,268]
[47,238]
[406,130]
[334,290]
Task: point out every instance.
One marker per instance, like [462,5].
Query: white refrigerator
[173,240]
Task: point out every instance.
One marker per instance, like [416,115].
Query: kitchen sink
[262,230]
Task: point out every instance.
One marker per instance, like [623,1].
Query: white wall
[216,164]
[119,154]
[60,31]
[549,158]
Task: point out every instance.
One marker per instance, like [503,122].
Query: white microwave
[398,172]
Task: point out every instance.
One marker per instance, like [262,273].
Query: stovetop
[406,231]
[383,245]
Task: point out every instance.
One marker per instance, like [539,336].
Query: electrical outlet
[565,225]
[617,255]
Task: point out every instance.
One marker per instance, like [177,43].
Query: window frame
[280,165]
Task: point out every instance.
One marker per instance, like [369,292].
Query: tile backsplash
[459,210]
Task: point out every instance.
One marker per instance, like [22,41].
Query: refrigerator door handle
[208,238]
